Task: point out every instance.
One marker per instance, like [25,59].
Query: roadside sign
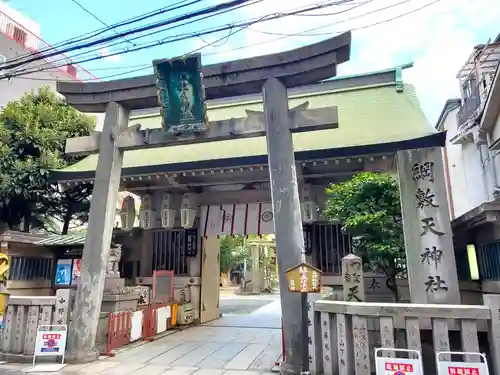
[461,367]
[50,342]
[398,366]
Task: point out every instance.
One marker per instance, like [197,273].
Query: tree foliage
[368,206]
[33,132]
[233,251]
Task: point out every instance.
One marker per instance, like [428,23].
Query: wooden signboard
[303,278]
[181,94]
[163,286]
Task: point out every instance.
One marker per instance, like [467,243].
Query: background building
[471,158]
[20,36]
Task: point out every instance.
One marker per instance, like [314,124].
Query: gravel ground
[242,306]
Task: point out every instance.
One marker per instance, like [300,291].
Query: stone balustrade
[22,317]
[344,334]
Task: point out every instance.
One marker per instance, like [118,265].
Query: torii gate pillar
[287,220]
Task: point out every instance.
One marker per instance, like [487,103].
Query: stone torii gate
[272,74]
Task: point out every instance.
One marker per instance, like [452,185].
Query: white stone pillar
[256,276]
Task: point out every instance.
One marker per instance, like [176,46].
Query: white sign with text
[50,341]
[397,366]
[461,367]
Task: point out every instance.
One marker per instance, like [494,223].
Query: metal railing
[470,105]
[18,33]
[331,245]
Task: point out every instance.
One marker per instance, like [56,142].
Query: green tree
[368,206]
[233,251]
[33,132]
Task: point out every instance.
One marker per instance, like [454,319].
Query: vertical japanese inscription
[429,247]
[424,173]
[352,274]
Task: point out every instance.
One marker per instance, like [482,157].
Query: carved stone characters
[115,254]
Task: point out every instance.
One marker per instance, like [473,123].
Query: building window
[28,268]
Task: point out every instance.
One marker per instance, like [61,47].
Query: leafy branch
[368,206]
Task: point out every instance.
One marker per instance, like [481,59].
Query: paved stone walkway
[233,345]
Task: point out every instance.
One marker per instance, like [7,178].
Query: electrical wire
[224,39]
[152,33]
[336,23]
[123,34]
[93,15]
[98,49]
[184,36]
[275,16]
[257,44]
[92,34]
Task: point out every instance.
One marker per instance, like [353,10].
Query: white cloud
[438,38]
[104,52]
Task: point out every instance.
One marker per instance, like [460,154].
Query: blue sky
[437,38]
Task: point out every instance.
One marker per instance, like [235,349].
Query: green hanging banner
[181,94]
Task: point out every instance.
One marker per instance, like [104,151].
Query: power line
[268,41]
[98,19]
[132,31]
[224,39]
[91,34]
[197,34]
[250,22]
[319,6]
[342,21]
[51,63]
[183,36]
[255,18]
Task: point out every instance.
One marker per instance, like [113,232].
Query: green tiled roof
[63,240]
[367,115]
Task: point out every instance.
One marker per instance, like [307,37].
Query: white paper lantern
[167,213]
[307,205]
[127,213]
[188,210]
[146,213]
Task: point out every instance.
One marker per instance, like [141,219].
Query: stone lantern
[307,205]
[167,212]
[127,213]
[188,210]
[146,212]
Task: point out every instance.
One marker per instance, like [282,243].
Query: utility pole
[287,220]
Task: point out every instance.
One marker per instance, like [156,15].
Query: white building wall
[470,173]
